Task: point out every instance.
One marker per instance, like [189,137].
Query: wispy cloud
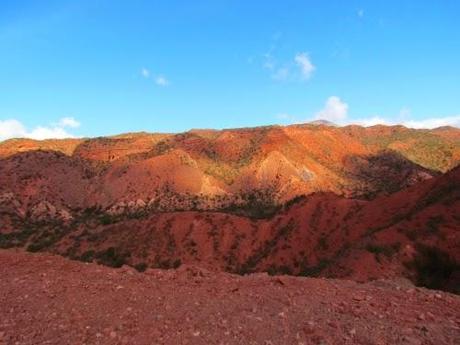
[13,128]
[334,110]
[303,61]
[286,71]
[287,118]
[145,73]
[298,68]
[68,122]
[161,81]
[269,61]
[360,13]
[281,73]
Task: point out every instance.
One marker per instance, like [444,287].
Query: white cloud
[68,122]
[428,123]
[145,73]
[41,133]
[434,122]
[305,64]
[284,70]
[372,121]
[12,128]
[334,110]
[161,81]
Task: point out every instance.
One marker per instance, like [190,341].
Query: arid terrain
[229,172]
[314,200]
[200,221]
[207,169]
[50,300]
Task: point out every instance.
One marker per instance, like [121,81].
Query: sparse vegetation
[433,224]
[322,243]
[279,270]
[435,269]
[112,257]
[141,267]
[107,219]
[387,250]
[15,239]
[268,248]
[313,271]
[251,185]
[88,256]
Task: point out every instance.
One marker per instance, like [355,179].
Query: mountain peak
[322,122]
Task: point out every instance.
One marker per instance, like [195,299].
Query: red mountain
[353,202]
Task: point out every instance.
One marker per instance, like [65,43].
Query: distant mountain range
[323,122]
[310,199]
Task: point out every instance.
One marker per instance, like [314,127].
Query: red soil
[49,300]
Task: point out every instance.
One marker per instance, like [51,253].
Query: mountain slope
[206,169]
[318,200]
[321,234]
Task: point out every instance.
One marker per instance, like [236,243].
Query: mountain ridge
[346,202]
[320,158]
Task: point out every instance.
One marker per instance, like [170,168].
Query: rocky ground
[47,299]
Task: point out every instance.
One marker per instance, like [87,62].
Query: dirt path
[50,300]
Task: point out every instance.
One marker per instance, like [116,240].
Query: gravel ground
[47,299]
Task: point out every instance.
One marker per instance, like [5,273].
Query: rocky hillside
[91,304]
[412,232]
[217,170]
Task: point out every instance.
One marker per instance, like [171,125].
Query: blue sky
[99,67]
